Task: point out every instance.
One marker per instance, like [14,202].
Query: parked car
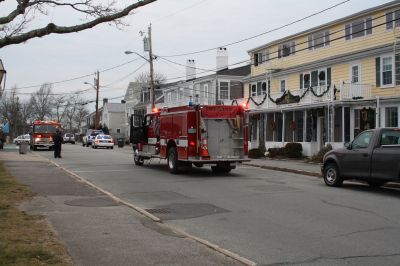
[90,136]
[69,138]
[373,156]
[105,141]
[22,138]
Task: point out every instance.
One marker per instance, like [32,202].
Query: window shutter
[310,46]
[378,71]
[280,51]
[397,69]
[314,78]
[368,26]
[249,90]
[292,47]
[327,38]
[328,76]
[301,81]
[389,20]
[347,31]
[255,59]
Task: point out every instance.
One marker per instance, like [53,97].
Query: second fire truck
[212,134]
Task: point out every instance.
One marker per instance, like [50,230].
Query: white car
[22,138]
[102,140]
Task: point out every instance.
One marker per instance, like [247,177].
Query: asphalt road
[269,217]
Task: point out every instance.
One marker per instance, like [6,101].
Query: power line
[261,34]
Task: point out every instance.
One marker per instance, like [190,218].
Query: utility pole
[97,82]
[151,70]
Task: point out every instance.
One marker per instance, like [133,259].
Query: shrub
[256,153]
[320,155]
[275,152]
[293,150]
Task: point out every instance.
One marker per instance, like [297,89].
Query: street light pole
[97,100]
[151,70]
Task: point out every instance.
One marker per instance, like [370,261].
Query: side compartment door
[136,129]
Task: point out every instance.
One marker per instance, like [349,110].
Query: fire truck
[215,135]
[43,133]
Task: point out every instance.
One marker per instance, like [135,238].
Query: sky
[178,27]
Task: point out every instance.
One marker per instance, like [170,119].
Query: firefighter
[57,144]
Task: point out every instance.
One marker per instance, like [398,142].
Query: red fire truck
[186,135]
[43,133]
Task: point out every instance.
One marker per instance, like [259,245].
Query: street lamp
[96,81]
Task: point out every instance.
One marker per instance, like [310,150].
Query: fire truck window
[148,120]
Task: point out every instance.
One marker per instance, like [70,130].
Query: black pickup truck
[373,156]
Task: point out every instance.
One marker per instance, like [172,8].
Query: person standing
[57,144]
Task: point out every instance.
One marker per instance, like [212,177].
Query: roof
[239,71]
[116,107]
[329,24]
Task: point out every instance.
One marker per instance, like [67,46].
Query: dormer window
[358,28]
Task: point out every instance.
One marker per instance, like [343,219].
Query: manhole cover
[92,202]
[179,211]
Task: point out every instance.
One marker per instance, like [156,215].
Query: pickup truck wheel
[376,183]
[137,159]
[332,177]
[173,163]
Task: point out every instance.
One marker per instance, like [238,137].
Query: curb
[282,169]
[204,242]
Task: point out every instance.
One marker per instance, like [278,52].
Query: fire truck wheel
[137,159]
[173,163]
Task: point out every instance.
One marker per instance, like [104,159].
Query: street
[266,216]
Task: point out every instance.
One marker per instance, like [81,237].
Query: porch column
[305,126]
[343,119]
[274,130]
[293,119]
[283,127]
[351,124]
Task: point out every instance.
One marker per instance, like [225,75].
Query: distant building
[113,116]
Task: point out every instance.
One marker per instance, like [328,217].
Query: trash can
[120,142]
[23,148]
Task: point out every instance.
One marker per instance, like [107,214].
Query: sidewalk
[288,165]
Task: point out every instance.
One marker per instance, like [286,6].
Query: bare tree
[80,115]
[60,105]
[19,25]
[144,78]
[42,102]
[10,110]
[71,109]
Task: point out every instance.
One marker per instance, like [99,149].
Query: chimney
[105,100]
[222,58]
[190,69]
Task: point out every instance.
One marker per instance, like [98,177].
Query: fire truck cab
[43,134]
[191,135]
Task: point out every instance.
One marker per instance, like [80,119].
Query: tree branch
[52,28]
[18,11]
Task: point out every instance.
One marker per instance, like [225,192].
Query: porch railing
[352,91]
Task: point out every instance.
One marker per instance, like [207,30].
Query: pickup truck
[373,156]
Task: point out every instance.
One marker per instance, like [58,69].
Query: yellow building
[328,83]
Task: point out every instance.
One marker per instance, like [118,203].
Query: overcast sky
[178,27]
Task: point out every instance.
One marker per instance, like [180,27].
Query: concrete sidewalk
[288,165]
[98,230]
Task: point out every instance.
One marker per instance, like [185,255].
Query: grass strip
[25,239]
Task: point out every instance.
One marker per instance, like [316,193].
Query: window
[392,19]
[169,97]
[391,117]
[118,130]
[305,80]
[355,73]
[260,88]
[318,40]
[387,70]
[254,90]
[358,28]
[224,90]
[390,137]
[282,84]
[362,141]
[286,49]
[261,57]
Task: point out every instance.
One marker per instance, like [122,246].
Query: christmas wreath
[293,125]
